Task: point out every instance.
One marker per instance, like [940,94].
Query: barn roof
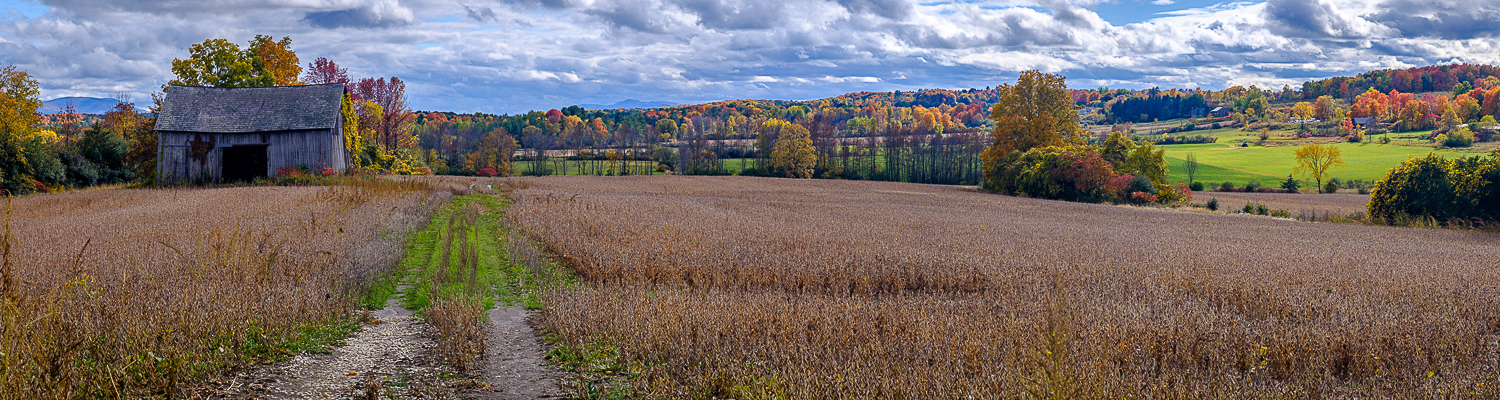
[256,109]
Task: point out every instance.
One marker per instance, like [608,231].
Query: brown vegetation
[137,293]
[758,288]
[1343,204]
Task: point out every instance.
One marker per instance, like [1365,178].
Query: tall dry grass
[761,288]
[142,293]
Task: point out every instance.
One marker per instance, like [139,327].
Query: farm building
[210,134]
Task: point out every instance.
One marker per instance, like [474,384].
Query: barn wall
[317,149]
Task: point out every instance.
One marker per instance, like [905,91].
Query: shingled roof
[257,109]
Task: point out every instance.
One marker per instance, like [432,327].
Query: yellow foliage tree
[1315,159]
[1036,111]
[794,152]
[277,59]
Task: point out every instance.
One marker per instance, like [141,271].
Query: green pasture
[1223,161]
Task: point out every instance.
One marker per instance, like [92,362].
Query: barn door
[244,163]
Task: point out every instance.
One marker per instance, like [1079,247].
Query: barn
[211,134]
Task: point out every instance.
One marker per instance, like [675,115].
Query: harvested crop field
[144,293]
[1340,204]
[751,288]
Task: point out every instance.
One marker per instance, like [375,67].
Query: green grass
[502,280]
[1223,161]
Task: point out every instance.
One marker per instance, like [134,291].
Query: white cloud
[517,55]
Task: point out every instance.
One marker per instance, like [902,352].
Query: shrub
[1460,137]
[1064,173]
[1331,188]
[487,172]
[1280,213]
[1419,186]
[1212,204]
[1196,186]
[1252,186]
[1227,186]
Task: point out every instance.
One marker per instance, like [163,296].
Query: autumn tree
[794,153]
[323,70]
[495,151]
[1315,160]
[1148,161]
[1116,148]
[136,130]
[667,128]
[392,126]
[276,59]
[1036,111]
[1323,109]
[21,151]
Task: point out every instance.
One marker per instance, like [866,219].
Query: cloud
[1315,19]
[1441,19]
[517,55]
[380,14]
[482,14]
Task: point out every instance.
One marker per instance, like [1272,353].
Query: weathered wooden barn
[210,134]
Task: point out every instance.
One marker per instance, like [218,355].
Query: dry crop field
[140,293]
[1343,204]
[736,287]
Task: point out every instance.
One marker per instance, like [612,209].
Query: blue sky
[509,56]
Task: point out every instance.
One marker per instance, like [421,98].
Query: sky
[512,56]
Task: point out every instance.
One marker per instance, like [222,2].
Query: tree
[136,130]
[1116,147]
[1036,111]
[19,173]
[495,151]
[794,153]
[392,127]
[276,59]
[1146,161]
[1314,160]
[323,70]
[1291,185]
[218,63]
[667,128]
[1304,111]
[1324,108]
[1191,166]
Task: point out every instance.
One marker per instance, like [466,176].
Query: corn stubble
[140,293]
[766,288]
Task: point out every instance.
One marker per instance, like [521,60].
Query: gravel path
[514,364]
[388,358]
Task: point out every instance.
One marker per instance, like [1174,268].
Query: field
[735,287]
[147,293]
[1270,165]
[1342,204]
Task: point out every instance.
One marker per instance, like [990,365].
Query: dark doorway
[244,163]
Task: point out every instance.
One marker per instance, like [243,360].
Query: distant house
[1082,112]
[1363,122]
[1219,112]
[210,134]
[1198,112]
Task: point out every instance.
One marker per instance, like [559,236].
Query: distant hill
[628,104]
[83,105]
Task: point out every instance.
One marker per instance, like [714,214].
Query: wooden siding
[317,149]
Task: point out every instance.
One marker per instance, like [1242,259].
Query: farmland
[144,293]
[751,287]
[1224,162]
